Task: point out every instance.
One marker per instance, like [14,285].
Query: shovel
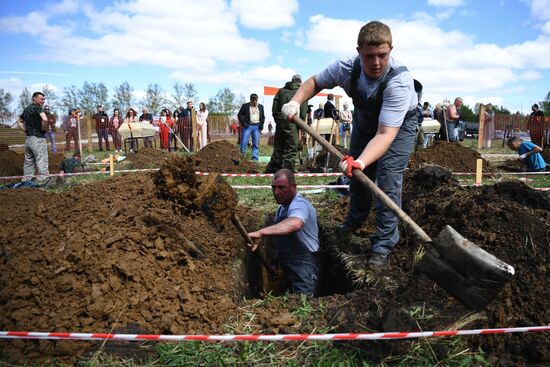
[466,271]
[218,201]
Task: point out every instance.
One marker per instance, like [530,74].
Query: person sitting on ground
[529,153]
[72,165]
[296,232]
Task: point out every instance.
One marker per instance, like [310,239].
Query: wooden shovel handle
[236,221]
[361,177]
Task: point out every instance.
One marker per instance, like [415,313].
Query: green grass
[496,147]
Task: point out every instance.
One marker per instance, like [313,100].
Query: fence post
[89,128]
[480,133]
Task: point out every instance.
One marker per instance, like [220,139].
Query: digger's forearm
[287,226]
[307,90]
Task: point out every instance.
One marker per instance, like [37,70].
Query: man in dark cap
[285,142]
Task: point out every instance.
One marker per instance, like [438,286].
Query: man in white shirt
[251,117]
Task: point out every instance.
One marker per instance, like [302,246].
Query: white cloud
[448,63]
[143,32]
[62,8]
[540,9]
[340,34]
[265,14]
[446,3]
[254,78]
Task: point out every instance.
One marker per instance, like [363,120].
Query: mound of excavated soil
[147,158]
[452,156]
[509,220]
[223,157]
[109,255]
[133,252]
[11,163]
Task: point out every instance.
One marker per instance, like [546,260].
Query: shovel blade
[466,271]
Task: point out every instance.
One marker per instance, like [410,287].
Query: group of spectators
[174,127]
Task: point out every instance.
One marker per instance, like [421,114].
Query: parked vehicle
[471,129]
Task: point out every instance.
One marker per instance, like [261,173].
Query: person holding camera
[35,123]
[346,118]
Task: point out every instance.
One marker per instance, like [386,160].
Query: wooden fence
[516,122]
[219,124]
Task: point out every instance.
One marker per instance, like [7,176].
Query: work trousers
[72,133]
[254,131]
[285,147]
[50,136]
[388,174]
[36,158]
[301,272]
[103,134]
[117,142]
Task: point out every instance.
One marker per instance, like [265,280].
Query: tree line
[90,95]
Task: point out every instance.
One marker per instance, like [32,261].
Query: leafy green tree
[70,99]
[154,99]
[224,102]
[123,98]
[24,100]
[6,114]
[467,113]
[51,97]
[178,96]
[183,93]
[545,105]
[92,95]
[189,92]
[501,110]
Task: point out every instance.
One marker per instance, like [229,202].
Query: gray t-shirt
[301,208]
[399,95]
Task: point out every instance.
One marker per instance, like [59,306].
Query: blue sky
[485,51]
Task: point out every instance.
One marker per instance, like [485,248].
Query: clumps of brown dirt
[512,222]
[109,255]
[147,158]
[11,163]
[546,155]
[176,181]
[223,157]
[452,156]
[509,220]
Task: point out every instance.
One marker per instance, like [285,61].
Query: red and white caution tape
[331,174]
[298,186]
[266,337]
[500,173]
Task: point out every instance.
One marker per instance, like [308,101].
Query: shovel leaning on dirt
[466,271]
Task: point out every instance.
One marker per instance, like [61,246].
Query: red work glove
[348,164]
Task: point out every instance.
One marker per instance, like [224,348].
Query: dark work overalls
[387,172]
